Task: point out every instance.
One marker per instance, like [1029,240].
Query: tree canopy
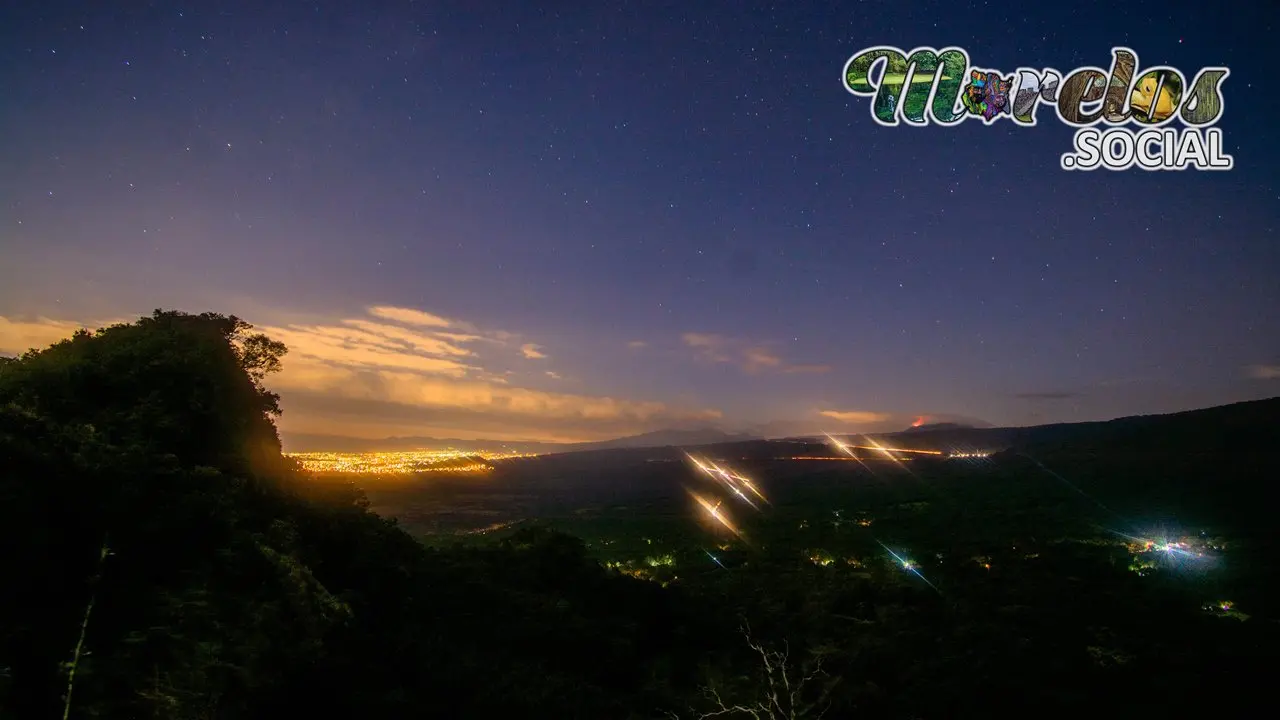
[165,560]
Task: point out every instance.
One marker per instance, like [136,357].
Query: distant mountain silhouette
[306,442]
[664,438]
[1239,425]
[1245,424]
[302,442]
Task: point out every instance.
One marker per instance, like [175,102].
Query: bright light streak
[873,445]
[886,450]
[1178,549]
[1069,484]
[846,450]
[735,482]
[1141,541]
[715,512]
[742,495]
[889,454]
[750,486]
[909,566]
[715,559]
[1174,552]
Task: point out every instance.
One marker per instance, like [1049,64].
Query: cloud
[707,347]
[637,345]
[751,358]
[344,345]
[355,375]
[855,417]
[334,399]
[569,418]
[1048,395]
[1263,372]
[460,337]
[19,336]
[409,316]
[399,339]
[402,371]
[758,358]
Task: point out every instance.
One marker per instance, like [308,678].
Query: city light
[1187,553]
[403,462]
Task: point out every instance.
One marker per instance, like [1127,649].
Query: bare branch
[80,651]
[783,696]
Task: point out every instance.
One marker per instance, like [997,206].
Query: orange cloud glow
[402,371]
[19,336]
[408,316]
[855,417]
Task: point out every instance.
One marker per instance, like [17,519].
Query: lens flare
[735,482]
[847,451]
[908,565]
[713,510]
[889,453]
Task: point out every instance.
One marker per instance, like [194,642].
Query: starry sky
[491,220]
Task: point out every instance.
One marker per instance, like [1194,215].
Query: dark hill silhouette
[164,560]
[1236,425]
[936,426]
[1218,429]
[664,438]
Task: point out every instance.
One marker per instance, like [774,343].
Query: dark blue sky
[676,203]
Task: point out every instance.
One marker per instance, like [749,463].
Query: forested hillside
[163,560]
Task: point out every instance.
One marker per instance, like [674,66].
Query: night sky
[488,220]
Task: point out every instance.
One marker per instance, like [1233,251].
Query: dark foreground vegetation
[162,559]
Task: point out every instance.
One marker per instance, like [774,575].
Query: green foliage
[237,587]
[171,384]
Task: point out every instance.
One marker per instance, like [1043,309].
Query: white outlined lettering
[1149,100]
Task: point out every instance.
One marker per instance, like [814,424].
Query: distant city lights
[405,462]
[1187,553]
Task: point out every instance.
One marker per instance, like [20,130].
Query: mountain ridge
[951,434]
[305,442]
